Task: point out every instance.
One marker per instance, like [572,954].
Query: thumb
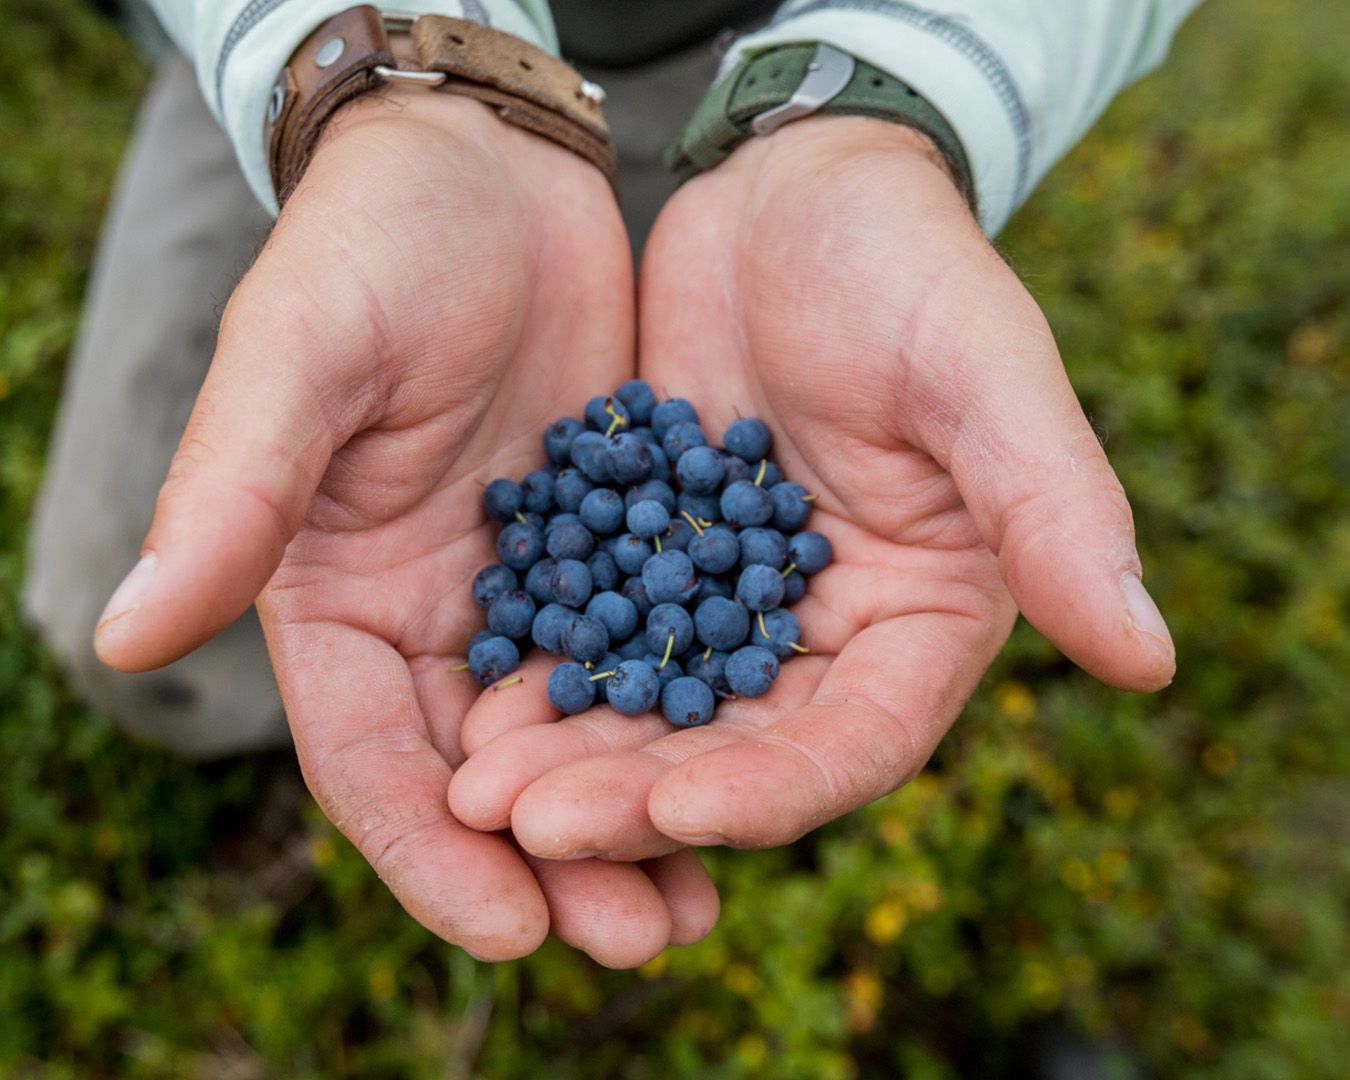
[254,451]
[1046,500]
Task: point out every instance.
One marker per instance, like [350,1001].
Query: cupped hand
[437,285]
[831,280]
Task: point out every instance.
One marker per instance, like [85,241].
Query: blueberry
[681,437]
[701,470]
[520,546]
[563,517]
[721,624]
[571,583]
[699,507]
[638,396]
[635,591]
[570,689]
[660,464]
[688,702]
[628,459]
[585,639]
[678,536]
[760,588]
[669,413]
[784,632]
[635,648]
[601,412]
[794,588]
[716,551]
[751,671]
[570,488]
[631,553]
[665,621]
[570,540]
[744,504]
[482,635]
[491,582]
[811,552]
[765,546]
[604,571]
[605,668]
[493,659]
[749,439]
[558,439]
[665,669]
[633,689]
[503,499]
[770,477]
[618,614]
[537,488]
[657,490]
[710,585]
[602,511]
[669,577]
[710,667]
[648,518]
[539,581]
[647,435]
[588,455]
[549,624]
[790,508]
[511,614]
[737,469]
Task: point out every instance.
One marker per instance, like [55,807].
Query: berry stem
[689,518]
[657,541]
[759,615]
[707,653]
[670,648]
[509,682]
[801,649]
[812,497]
[763,467]
[601,675]
[459,667]
[790,567]
[705,523]
[522,518]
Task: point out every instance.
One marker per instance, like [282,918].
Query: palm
[757,298]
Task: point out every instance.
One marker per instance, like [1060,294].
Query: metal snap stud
[275,102]
[329,52]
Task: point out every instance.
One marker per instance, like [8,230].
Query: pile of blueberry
[660,566]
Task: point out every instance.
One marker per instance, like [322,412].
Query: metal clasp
[826,76]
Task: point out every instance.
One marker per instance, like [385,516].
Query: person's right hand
[439,285]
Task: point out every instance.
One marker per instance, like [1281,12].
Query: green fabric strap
[768,79]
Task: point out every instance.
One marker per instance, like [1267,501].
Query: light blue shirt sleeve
[240,46]
[1020,81]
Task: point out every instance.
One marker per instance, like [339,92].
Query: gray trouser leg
[181,230]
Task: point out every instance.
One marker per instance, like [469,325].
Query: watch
[352,54]
[790,82]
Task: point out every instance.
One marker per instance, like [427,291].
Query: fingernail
[1144,614]
[132,590]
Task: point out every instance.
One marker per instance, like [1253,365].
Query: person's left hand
[831,280]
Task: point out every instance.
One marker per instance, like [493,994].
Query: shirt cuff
[251,49]
[948,64]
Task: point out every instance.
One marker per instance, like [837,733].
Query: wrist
[801,150]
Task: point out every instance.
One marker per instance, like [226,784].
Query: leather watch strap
[769,80]
[350,54]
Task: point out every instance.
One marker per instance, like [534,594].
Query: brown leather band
[525,86]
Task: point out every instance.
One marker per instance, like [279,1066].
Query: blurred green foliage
[1169,874]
